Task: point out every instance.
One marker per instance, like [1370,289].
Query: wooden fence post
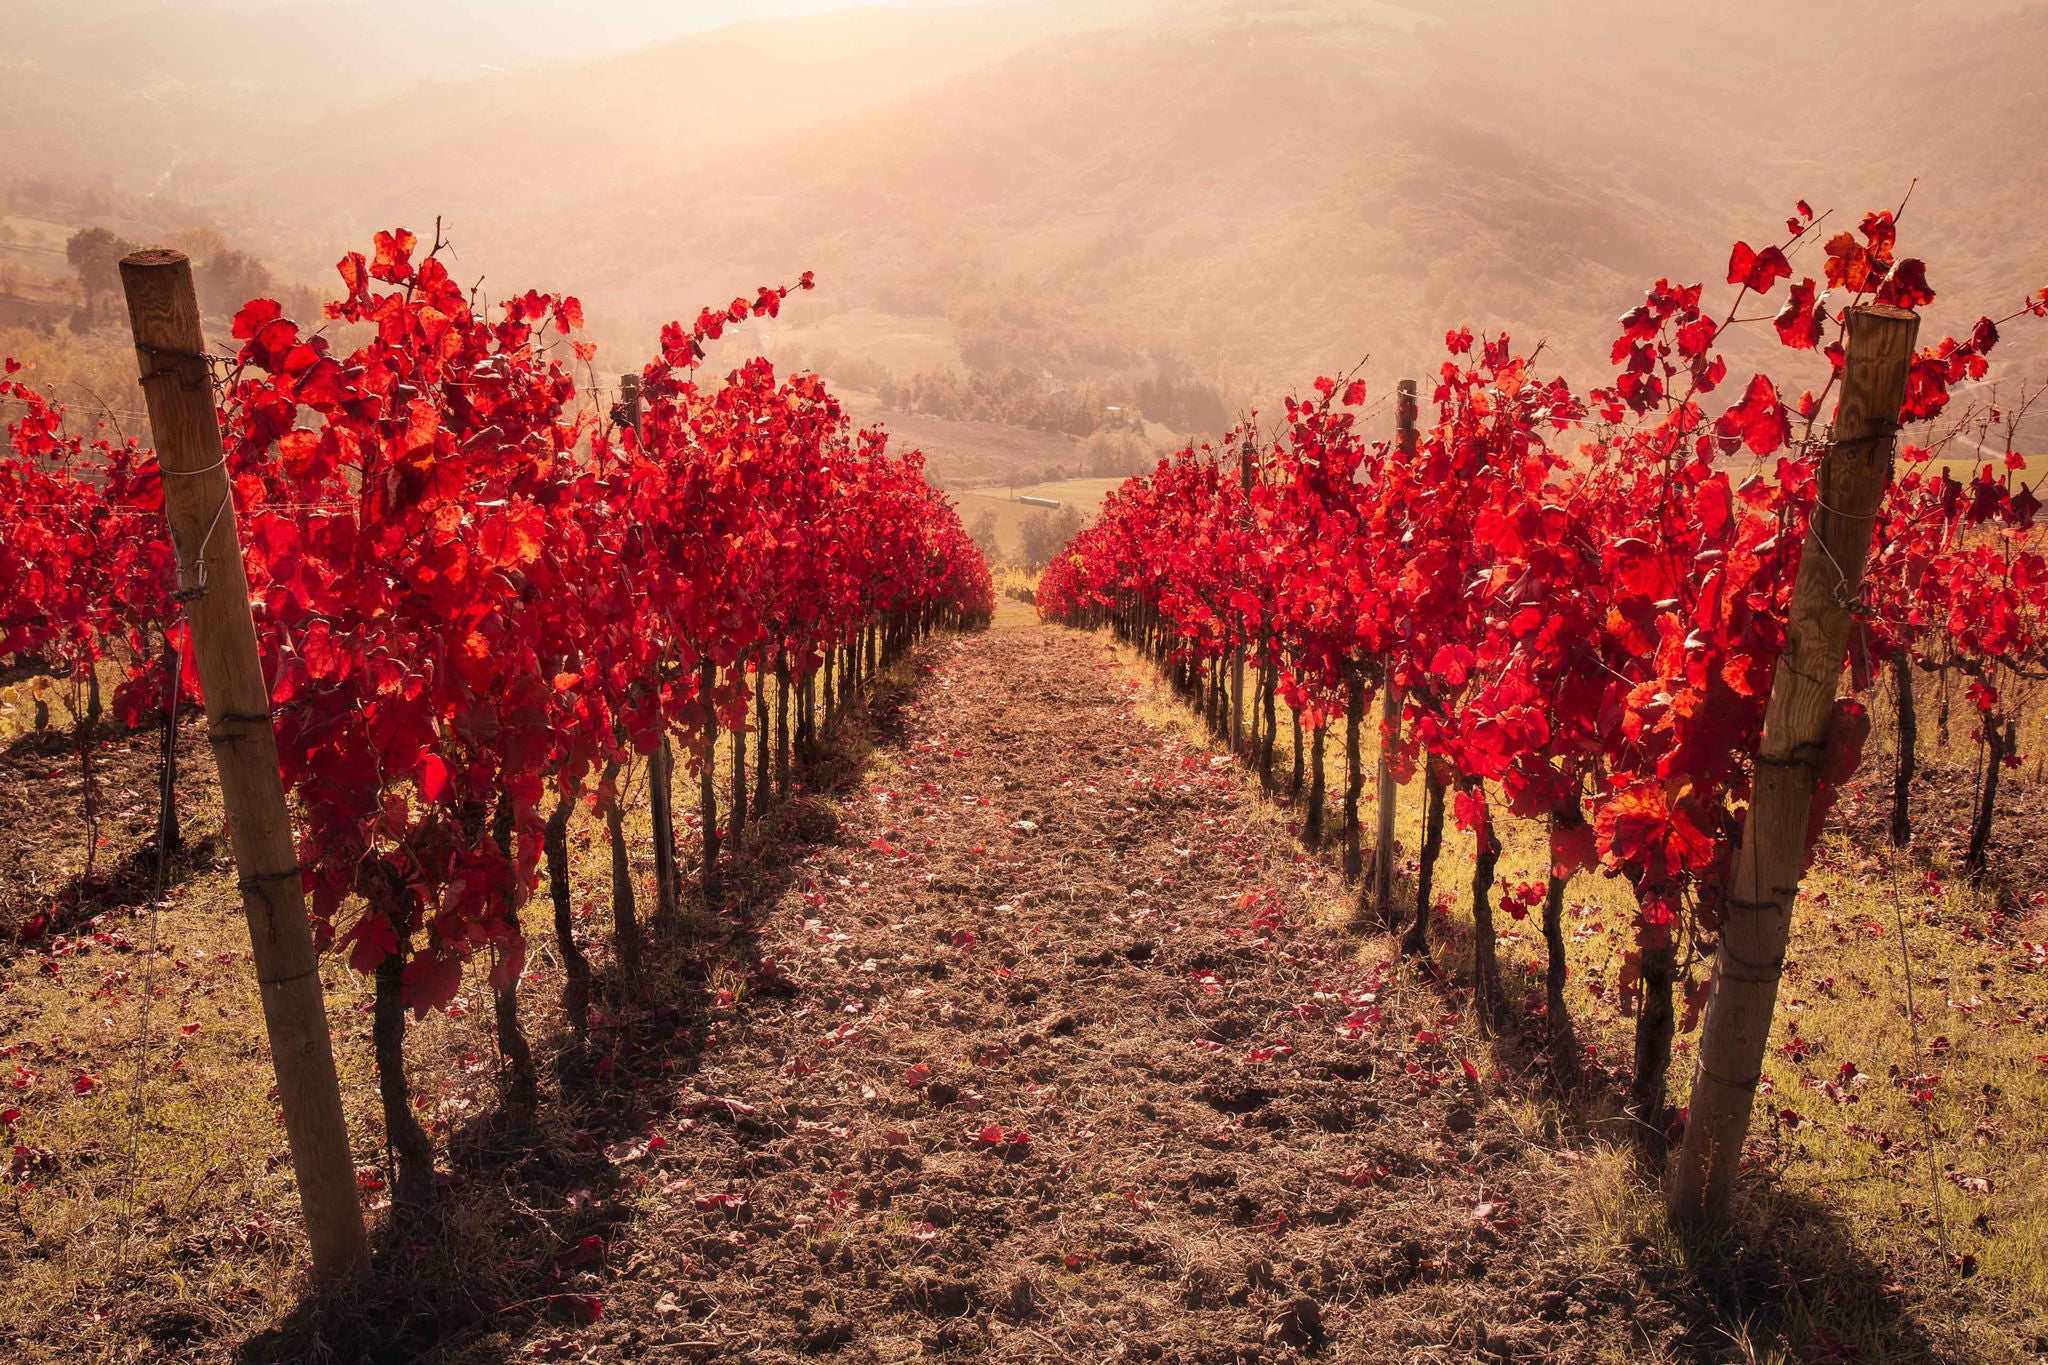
[1380,886]
[170,351]
[1763,879]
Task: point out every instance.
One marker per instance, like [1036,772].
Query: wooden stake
[1909,744]
[1764,877]
[171,354]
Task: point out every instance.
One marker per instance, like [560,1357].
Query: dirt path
[1028,1034]
[1053,1061]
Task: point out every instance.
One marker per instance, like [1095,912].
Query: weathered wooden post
[1380,885]
[1763,879]
[170,352]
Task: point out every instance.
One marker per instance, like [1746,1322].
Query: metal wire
[195,572]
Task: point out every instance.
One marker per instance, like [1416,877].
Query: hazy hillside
[545,169]
[159,94]
[964,454]
[1256,192]
[1283,191]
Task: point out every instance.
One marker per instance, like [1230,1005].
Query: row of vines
[1566,605]
[482,601]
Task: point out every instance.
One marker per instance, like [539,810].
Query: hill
[1283,190]
[1250,194]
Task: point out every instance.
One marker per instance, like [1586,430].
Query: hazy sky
[524,30]
[589,25]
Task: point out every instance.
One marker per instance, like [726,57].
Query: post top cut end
[1884,310]
[154,256]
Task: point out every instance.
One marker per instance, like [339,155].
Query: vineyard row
[1621,612]
[478,601]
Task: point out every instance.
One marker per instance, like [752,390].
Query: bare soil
[1052,1054]
[45,890]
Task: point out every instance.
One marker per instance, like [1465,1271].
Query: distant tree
[200,243]
[1046,533]
[95,254]
[300,300]
[230,278]
[1112,400]
[1066,524]
[1038,542]
[1113,454]
[983,531]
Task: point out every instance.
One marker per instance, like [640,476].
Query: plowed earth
[1061,1054]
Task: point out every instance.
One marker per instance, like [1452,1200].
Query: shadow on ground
[527,1214]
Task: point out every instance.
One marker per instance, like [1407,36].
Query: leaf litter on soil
[1071,1068]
